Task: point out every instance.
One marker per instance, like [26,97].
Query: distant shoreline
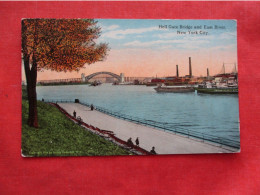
[57,84]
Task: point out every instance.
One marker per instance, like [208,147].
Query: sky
[147,48]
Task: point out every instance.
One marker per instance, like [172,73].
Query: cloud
[226,35]
[120,34]
[225,47]
[174,35]
[148,44]
[174,43]
[169,35]
[109,28]
[212,37]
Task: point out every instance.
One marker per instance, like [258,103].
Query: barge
[175,89]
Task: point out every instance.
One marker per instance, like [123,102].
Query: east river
[216,115]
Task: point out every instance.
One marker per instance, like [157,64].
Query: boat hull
[174,90]
[217,90]
[151,84]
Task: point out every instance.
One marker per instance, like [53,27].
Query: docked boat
[175,89]
[151,84]
[115,83]
[217,89]
[95,83]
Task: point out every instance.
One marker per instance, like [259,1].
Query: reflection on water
[206,113]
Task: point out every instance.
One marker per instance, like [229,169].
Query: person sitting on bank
[79,120]
[74,114]
[153,150]
[137,141]
[129,141]
[92,107]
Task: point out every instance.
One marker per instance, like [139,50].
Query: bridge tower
[83,79]
[122,75]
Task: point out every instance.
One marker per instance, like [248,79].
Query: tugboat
[175,89]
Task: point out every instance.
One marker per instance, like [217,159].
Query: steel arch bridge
[97,73]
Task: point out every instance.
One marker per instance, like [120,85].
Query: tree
[59,45]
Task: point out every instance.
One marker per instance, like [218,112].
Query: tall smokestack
[177,71]
[190,67]
[207,72]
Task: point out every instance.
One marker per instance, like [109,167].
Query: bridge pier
[122,75]
[83,79]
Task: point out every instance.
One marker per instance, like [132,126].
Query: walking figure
[92,107]
[129,141]
[74,114]
[153,150]
[137,141]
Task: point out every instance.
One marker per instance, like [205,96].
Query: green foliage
[24,93]
[58,136]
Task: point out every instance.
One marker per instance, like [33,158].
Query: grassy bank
[59,136]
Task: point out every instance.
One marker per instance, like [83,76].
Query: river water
[216,115]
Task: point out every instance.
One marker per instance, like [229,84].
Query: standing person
[74,114]
[92,107]
[137,141]
[153,150]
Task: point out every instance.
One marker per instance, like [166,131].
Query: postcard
[98,87]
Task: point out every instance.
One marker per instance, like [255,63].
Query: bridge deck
[164,142]
[108,73]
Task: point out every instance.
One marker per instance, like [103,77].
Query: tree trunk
[31,77]
[32,98]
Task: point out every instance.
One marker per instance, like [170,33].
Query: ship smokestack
[207,72]
[190,67]
[177,71]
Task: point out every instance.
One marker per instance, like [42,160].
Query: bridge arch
[108,73]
